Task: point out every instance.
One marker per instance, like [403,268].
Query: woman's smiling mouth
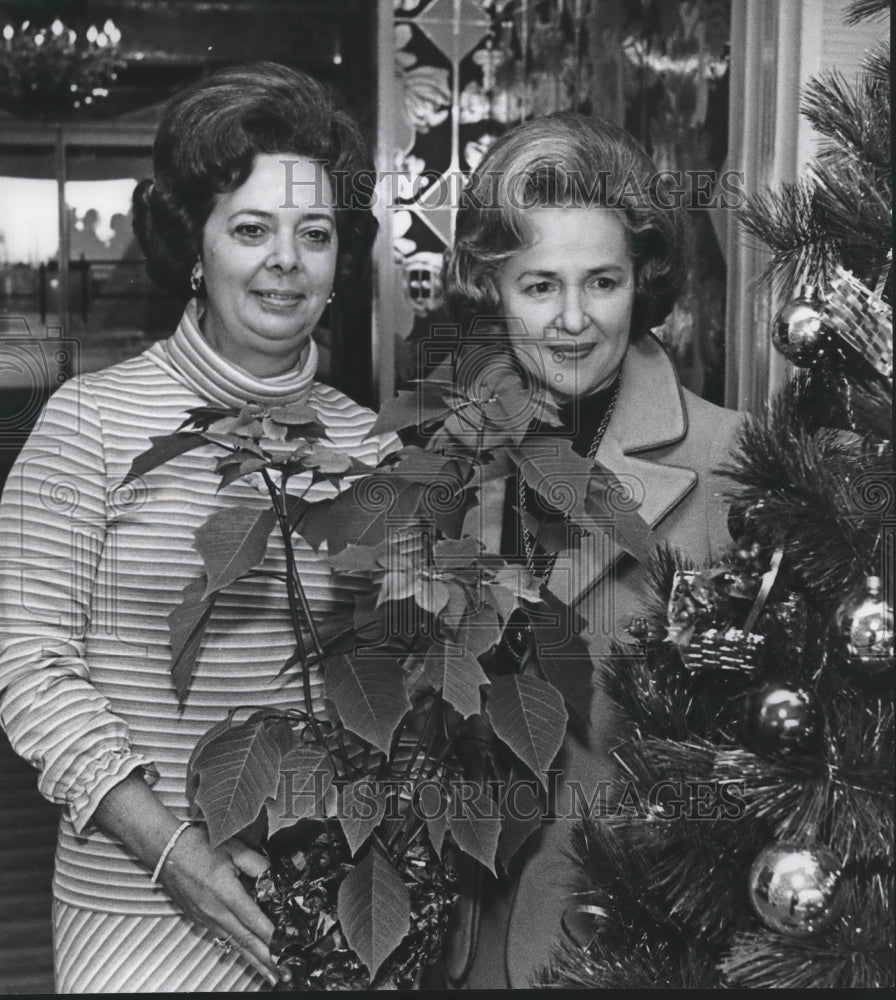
[571,352]
[278,299]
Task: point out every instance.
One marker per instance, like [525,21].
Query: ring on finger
[223,944]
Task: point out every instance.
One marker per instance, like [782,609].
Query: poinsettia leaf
[247,465]
[492,466]
[432,595]
[299,415]
[411,408]
[563,654]
[552,535]
[557,474]
[547,409]
[357,559]
[238,771]
[362,805]
[201,743]
[501,599]
[458,675]
[633,533]
[374,909]
[310,521]
[459,603]
[413,462]
[479,631]
[449,517]
[163,449]
[452,553]
[327,461]
[369,695]
[231,542]
[431,803]
[396,587]
[186,627]
[527,714]
[522,811]
[474,820]
[520,582]
[239,444]
[370,508]
[305,784]
[294,657]
[231,458]
[203,416]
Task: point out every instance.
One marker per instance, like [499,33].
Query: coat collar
[649,414]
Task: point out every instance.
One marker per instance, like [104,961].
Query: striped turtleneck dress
[89,572]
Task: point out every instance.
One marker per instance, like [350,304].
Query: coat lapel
[649,415]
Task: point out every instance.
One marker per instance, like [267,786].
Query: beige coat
[664,443]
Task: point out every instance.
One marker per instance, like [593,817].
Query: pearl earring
[331,297]
[196,278]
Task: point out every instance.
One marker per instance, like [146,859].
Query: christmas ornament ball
[780,716]
[798,331]
[866,623]
[796,889]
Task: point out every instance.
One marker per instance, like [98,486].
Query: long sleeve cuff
[98,778]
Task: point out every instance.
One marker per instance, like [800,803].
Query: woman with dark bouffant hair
[568,250]
[241,216]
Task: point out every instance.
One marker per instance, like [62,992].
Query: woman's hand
[204,882]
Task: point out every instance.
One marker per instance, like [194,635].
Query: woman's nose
[283,255]
[573,318]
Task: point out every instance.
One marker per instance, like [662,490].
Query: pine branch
[863,10]
[688,876]
[792,223]
[854,119]
[629,964]
[848,808]
[855,199]
[656,695]
[877,65]
[856,952]
[798,493]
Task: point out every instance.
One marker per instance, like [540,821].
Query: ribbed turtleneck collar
[191,360]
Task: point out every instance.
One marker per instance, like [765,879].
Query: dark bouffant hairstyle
[210,135]
[563,160]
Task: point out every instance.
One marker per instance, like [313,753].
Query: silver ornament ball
[797,889]
[780,716]
[866,623]
[798,331]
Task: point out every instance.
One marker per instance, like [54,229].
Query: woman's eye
[318,235]
[539,288]
[250,230]
[605,284]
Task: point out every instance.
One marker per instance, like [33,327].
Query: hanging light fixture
[51,71]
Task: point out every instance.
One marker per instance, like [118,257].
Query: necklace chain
[528,540]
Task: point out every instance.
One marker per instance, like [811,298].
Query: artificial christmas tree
[750,841]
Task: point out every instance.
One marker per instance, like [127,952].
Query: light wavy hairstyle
[565,160]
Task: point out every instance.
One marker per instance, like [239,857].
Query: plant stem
[291,580]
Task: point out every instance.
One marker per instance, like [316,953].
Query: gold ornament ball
[797,889]
[866,623]
[798,332]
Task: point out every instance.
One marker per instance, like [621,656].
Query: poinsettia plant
[425,729]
